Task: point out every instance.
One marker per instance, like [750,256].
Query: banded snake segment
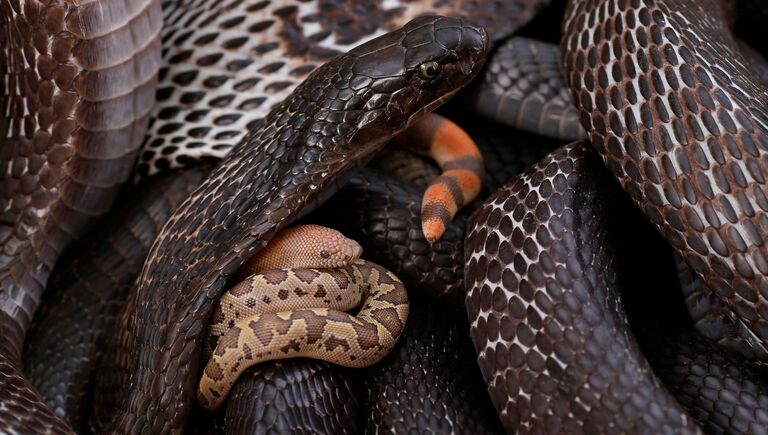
[463,171]
[330,124]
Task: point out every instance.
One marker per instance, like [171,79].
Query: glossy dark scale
[87,289]
[523,87]
[719,391]
[430,383]
[322,398]
[384,215]
[694,159]
[551,334]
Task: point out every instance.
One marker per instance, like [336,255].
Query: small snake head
[413,70]
[314,246]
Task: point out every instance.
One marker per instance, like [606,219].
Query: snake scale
[281,170]
[78,84]
[668,102]
[87,288]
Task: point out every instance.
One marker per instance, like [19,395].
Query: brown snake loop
[78,82]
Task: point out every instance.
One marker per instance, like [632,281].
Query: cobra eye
[324,254]
[430,70]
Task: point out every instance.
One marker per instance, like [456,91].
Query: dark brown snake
[87,289]
[79,81]
[330,124]
[668,101]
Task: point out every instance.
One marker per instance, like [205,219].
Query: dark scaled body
[331,123]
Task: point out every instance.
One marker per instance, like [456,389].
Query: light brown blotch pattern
[323,333]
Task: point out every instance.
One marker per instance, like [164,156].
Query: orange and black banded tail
[462,165]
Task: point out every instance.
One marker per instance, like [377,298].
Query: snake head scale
[394,79]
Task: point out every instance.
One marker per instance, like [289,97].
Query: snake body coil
[79,79]
[547,322]
[321,333]
[332,122]
[668,101]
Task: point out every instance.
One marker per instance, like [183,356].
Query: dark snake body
[227,63]
[720,391]
[430,383]
[670,104]
[523,87]
[87,289]
[79,81]
[343,112]
[552,337]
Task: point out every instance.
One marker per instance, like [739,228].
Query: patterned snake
[672,108]
[292,307]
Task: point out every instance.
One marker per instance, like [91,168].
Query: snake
[669,102]
[547,319]
[715,9]
[226,64]
[288,285]
[79,81]
[322,333]
[462,165]
[523,87]
[281,170]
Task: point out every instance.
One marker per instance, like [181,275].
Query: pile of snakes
[369,216]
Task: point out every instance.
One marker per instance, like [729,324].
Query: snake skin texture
[344,112]
[717,389]
[407,167]
[383,214]
[228,63]
[430,383]
[314,331]
[669,103]
[294,396]
[523,87]
[87,289]
[506,151]
[712,317]
[76,96]
[550,331]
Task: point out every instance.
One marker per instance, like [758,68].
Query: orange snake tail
[462,165]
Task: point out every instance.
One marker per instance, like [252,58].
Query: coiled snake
[713,100]
[669,102]
[291,309]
